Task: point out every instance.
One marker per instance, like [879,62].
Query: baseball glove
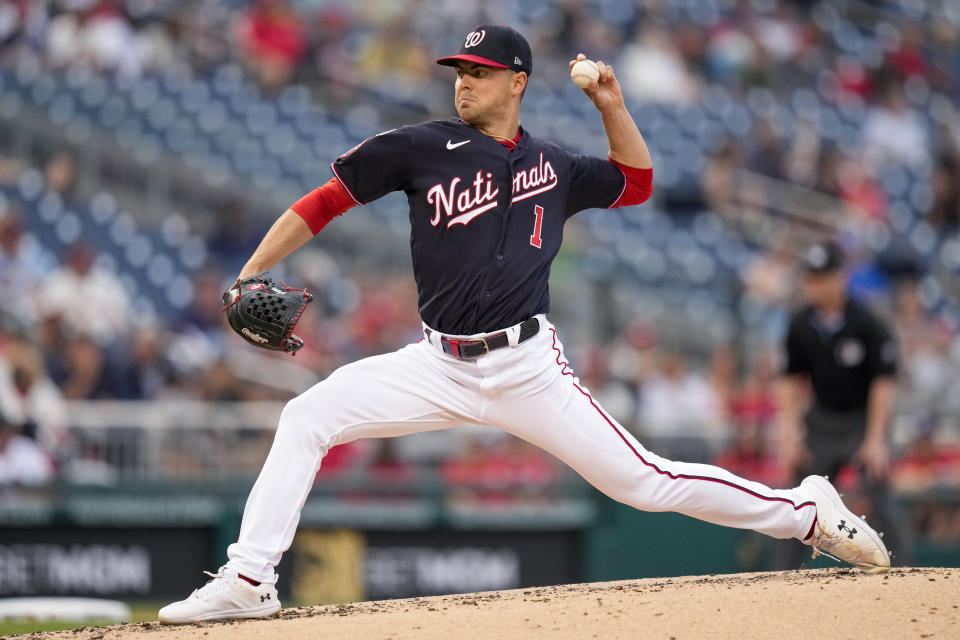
[264,313]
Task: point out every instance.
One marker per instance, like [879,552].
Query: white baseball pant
[525,389]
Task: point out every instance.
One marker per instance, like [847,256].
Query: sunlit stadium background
[146,145]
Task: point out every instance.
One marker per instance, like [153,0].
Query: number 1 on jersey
[537,226]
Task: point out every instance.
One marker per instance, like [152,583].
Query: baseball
[583,72]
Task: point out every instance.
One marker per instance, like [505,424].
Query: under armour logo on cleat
[266,597]
[843,527]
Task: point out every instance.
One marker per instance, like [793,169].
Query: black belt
[469,349]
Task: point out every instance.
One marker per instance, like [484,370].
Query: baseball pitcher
[488,202]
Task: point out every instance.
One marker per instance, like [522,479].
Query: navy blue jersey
[486,222]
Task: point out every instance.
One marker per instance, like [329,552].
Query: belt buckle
[486,347]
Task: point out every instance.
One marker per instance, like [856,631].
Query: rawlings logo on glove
[256,338]
[265,314]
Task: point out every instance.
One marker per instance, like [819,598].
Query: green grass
[27,626]
[140,612]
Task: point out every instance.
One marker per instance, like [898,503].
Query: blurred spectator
[382,316]
[870,280]
[51,338]
[23,264]
[940,521]
[341,459]
[497,468]
[752,411]
[155,44]
[853,83]
[930,462]
[722,375]
[780,34]
[10,167]
[631,356]
[233,235]
[205,315]
[91,300]
[860,190]
[85,375]
[718,180]
[803,158]
[750,457]
[931,367]
[910,145]
[616,395]
[946,188]
[600,37]
[677,403]
[200,31]
[329,58]
[394,59]
[27,393]
[753,406]
[11,16]
[911,321]
[388,467]
[59,175]
[652,70]
[527,465]
[732,53]
[771,275]
[22,462]
[96,32]
[64,42]
[219,384]
[929,347]
[273,41]
[143,371]
[108,38]
[943,36]
[766,153]
[908,59]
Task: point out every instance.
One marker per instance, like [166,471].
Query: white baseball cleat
[841,535]
[225,596]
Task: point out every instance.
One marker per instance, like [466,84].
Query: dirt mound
[834,603]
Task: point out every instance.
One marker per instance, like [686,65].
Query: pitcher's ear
[520,82]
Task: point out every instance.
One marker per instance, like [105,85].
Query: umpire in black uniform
[848,358]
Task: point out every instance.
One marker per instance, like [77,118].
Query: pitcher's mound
[832,603]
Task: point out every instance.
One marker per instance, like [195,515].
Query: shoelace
[825,540]
[212,586]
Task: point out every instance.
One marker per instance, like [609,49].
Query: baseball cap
[494,45]
[823,257]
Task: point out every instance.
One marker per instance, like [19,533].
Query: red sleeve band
[323,204]
[638,187]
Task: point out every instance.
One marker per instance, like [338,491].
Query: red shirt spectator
[272,29]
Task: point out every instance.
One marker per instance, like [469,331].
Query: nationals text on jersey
[533,181]
[470,203]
